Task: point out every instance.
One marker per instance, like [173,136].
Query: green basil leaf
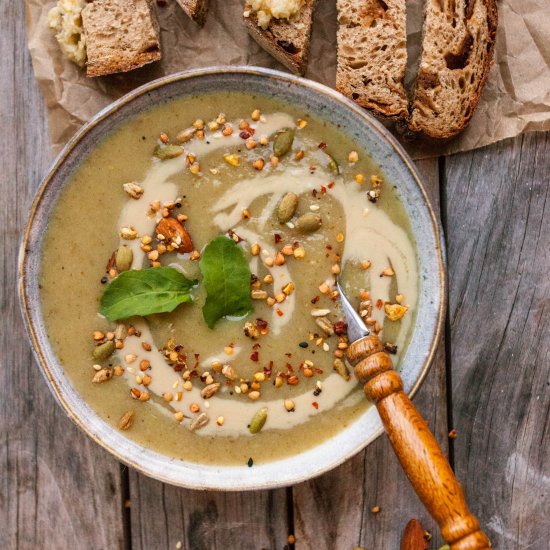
[145,291]
[226,278]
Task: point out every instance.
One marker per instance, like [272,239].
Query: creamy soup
[249,217]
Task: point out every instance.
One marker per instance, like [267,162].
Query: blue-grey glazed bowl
[397,167]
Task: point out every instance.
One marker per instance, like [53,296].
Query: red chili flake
[379,303]
[244,134]
[255,356]
[292,380]
[323,189]
[314,192]
[256,346]
[328,247]
[318,370]
[315,299]
[289,355]
[161,3]
[269,370]
[322,145]
[340,328]
[313,168]
[289,367]
[316,405]
[178,368]
[261,323]
[277,238]
[279,312]
[331,184]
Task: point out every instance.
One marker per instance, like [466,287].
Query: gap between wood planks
[444,204]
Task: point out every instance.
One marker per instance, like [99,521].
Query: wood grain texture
[57,489]
[334,510]
[163,515]
[498,229]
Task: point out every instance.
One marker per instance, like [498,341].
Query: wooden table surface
[490,381]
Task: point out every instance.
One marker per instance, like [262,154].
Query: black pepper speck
[250,463]
[303,344]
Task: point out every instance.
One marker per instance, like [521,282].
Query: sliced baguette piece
[121,35]
[197,10]
[457,53]
[287,40]
[372,55]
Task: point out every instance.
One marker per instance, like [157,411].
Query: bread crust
[197,10]
[415,127]
[267,39]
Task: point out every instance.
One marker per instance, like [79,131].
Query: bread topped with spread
[283,28]
[107,36]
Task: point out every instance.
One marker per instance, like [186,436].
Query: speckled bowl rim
[279,473]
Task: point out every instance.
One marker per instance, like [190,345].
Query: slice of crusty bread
[121,35]
[372,55]
[197,10]
[287,40]
[457,53]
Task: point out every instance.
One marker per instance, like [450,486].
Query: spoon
[422,459]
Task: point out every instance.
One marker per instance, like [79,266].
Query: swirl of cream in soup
[370,232]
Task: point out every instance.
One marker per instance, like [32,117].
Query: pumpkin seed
[308,223]
[287,207]
[125,423]
[199,422]
[124,258]
[103,351]
[332,164]
[167,152]
[258,421]
[283,142]
[341,368]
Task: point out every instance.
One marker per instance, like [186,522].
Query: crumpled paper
[516,97]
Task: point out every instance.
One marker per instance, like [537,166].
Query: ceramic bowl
[386,152]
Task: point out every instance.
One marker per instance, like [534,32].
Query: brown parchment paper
[516,98]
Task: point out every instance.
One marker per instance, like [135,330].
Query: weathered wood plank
[497,207]
[163,515]
[334,511]
[58,489]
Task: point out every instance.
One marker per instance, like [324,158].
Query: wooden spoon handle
[415,446]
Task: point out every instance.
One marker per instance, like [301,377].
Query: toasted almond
[174,232]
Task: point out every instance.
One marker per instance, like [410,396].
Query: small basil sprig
[142,292]
[226,278]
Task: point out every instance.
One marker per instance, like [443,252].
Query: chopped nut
[227,130]
[133,189]
[126,421]
[220,420]
[365,264]
[128,233]
[250,144]
[341,368]
[199,422]
[229,372]
[259,376]
[255,249]
[353,157]
[335,269]
[394,312]
[185,135]
[254,395]
[359,178]
[233,159]
[258,294]
[289,405]
[210,390]
[299,253]
[301,123]
[102,376]
[255,115]
[388,272]
[251,329]
[258,164]
[324,288]
[319,312]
